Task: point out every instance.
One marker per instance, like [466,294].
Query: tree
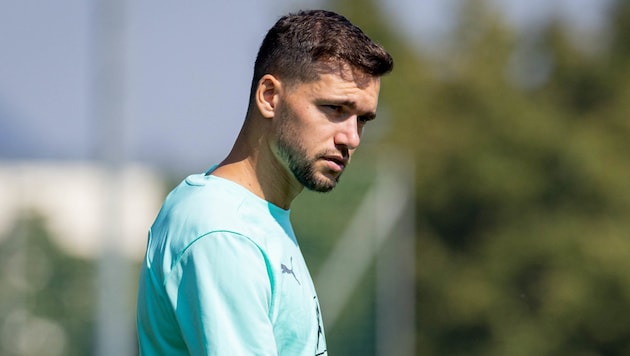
[47,299]
[523,187]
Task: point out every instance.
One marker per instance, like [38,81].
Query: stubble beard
[291,150]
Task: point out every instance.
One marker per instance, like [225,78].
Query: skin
[300,135]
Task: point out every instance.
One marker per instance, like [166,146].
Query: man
[223,272]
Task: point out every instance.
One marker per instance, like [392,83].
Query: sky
[186,69]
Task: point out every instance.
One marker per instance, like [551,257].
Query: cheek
[306,126]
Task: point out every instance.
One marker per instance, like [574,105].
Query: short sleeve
[221,292]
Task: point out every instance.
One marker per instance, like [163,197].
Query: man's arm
[221,294]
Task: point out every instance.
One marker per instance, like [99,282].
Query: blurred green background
[521,202]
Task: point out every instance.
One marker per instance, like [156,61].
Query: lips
[336,163]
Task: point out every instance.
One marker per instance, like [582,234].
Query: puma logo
[288,270]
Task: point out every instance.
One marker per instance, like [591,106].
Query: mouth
[336,163]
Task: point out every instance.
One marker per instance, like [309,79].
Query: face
[319,125]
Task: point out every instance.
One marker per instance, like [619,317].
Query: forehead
[345,72]
[342,83]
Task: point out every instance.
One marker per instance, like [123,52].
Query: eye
[336,109]
[365,118]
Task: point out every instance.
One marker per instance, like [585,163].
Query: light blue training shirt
[224,275]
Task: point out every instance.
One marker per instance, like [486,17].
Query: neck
[252,164]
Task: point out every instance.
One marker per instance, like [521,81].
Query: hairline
[317,68]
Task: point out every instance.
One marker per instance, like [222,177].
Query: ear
[267,95]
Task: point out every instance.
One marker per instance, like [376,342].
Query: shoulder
[201,204]
[203,207]
[196,208]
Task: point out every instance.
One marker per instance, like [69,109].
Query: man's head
[317,79]
[297,46]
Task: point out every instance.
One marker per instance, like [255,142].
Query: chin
[321,188]
[317,179]
[322,184]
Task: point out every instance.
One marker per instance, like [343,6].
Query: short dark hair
[297,41]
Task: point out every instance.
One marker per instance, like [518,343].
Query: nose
[348,133]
